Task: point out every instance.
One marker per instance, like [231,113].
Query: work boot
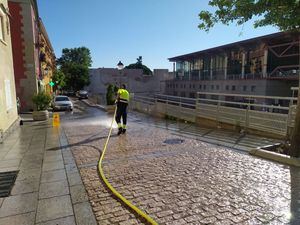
[120,131]
[123,131]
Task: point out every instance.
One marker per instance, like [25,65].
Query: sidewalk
[48,188]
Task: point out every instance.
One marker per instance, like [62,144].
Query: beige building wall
[8,105]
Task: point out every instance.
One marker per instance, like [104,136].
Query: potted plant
[42,101]
[111,97]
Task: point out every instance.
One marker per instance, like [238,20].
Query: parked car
[68,92]
[62,102]
[82,94]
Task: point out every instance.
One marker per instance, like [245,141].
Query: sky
[123,30]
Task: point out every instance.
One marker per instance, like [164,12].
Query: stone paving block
[19,204]
[71,168]
[67,152]
[53,158]
[7,169]
[2,155]
[54,175]
[78,194]
[53,189]
[54,208]
[26,186]
[84,214]
[36,147]
[29,174]
[69,160]
[53,166]
[52,153]
[74,179]
[13,156]
[63,221]
[23,219]
[31,165]
[9,163]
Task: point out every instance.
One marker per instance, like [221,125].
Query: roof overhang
[223,48]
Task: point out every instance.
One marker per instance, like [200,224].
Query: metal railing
[245,111]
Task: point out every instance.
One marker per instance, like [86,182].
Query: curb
[94,105]
[274,156]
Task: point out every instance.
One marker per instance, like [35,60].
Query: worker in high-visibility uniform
[122,103]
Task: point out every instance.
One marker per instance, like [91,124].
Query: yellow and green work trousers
[121,113]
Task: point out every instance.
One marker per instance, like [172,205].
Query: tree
[59,79]
[75,63]
[283,14]
[139,65]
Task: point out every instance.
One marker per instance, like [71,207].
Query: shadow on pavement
[88,140]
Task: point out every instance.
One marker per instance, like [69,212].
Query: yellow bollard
[56,120]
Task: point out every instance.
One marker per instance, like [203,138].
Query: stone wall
[134,79]
[25,51]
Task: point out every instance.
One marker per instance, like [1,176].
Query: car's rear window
[60,99]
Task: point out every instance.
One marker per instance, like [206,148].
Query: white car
[62,102]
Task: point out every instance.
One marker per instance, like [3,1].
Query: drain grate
[7,180]
[173,141]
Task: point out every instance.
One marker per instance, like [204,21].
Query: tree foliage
[75,63]
[284,14]
[139,65]
[59,79]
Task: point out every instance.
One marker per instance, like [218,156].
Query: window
[176,85]
[217,87]
[253,88]
[1,25]
[244,88]
[212,87]
[192,95]
[200,86]
[233,88]
[190,86]
[193,86]
[204,87]
[184,86]
[227,87]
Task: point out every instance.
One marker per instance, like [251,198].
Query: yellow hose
[113,190]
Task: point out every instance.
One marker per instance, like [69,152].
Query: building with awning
[265,65]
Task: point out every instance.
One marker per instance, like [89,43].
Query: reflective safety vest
[124,95]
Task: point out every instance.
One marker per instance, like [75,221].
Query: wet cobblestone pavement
[189,182]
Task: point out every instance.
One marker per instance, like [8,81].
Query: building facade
[134,79]
[8,104]
[47,59]
[265,65]
[29,40]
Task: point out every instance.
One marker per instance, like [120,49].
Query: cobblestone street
[181,180]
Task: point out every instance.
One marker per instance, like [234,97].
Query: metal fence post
[218,112]
[247,117]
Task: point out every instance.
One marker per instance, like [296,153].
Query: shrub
[111,94]
[42,100]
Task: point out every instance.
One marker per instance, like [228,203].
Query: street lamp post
[120,67]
